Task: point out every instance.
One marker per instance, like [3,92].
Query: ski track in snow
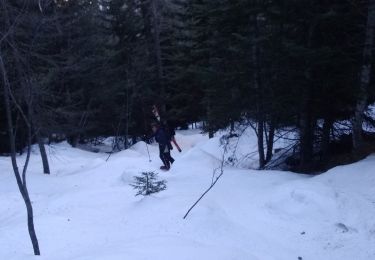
[86,209]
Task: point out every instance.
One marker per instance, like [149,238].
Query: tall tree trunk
[27,88]
[306,134]
[364,80]
[326,138]
[151,17]
[260,136]
[39,139]
[43,154]
[307,121]
[21,182]
[145,11]
[270,141]
[209,126]
[260,117]
[156,16]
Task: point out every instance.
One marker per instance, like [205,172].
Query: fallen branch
[214,180]
[209,188]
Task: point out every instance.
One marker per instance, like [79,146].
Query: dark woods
[82,69]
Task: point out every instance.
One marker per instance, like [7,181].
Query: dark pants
[165,155]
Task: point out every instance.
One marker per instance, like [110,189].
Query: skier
[169,131]
[162,138]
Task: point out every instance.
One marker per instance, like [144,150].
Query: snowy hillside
[86,209]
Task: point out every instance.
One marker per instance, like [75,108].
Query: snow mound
[86,208]
[140,147]
[304,200]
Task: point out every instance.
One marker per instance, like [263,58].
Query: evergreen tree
[148,184]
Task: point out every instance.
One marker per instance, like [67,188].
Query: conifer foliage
[148,183]
[96,67]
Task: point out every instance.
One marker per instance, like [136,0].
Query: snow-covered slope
[86,209]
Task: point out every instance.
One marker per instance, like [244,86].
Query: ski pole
[109,155]
[149,158]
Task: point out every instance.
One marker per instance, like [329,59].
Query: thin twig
[221,169]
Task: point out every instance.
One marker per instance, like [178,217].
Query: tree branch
[214,181]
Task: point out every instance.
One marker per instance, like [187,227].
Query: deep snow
[86,209]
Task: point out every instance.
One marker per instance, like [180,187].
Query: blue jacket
[161,136]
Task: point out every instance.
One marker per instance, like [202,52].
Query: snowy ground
[86,209]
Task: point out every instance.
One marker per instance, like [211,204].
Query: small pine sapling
[148,184]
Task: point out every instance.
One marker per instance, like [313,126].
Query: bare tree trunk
[28,93]
[326,138]
[259,91]
[270,141]
[43,154]
[260,135]
[21,182]
[307,121]
[364,79]
[306,134]
[209,120]
[39,139]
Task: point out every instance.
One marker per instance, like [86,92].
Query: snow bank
[86,209]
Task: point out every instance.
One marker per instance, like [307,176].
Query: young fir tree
[148,184]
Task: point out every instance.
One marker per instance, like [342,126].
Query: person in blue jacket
[162,138]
